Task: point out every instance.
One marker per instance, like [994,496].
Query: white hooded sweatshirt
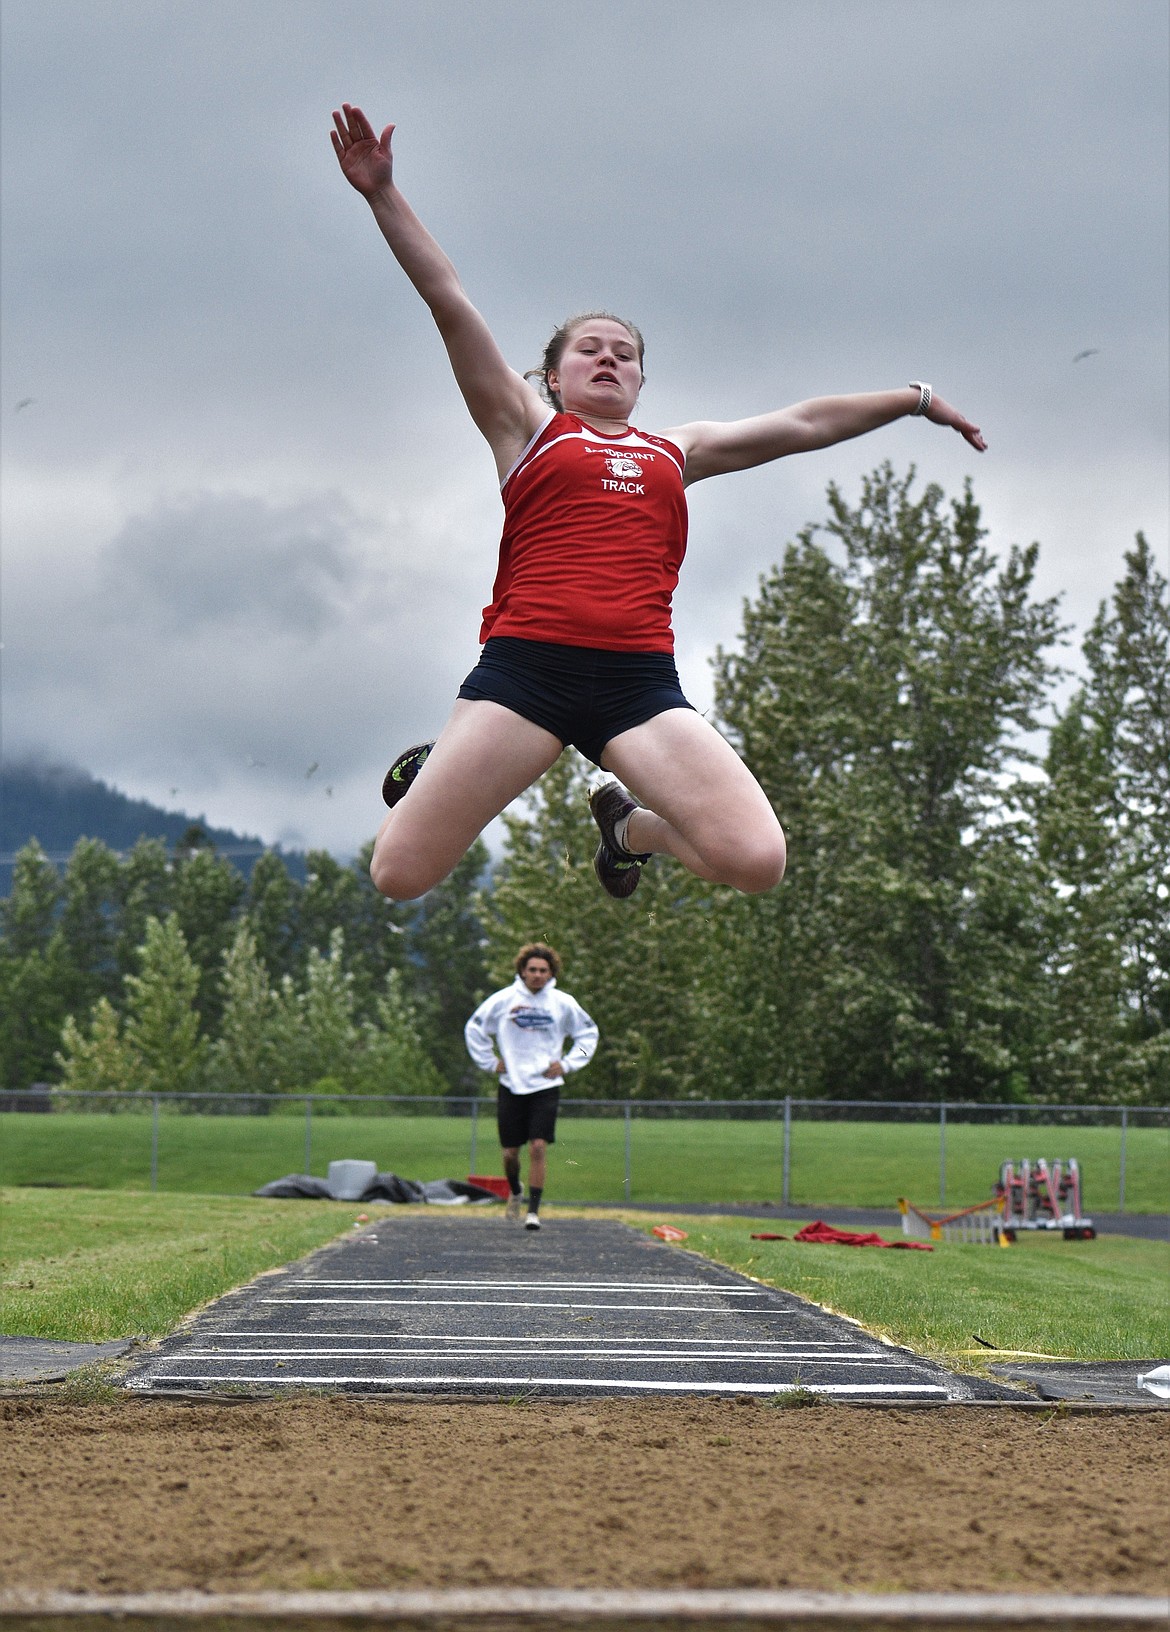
[530,1030]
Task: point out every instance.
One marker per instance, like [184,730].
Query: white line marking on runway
[532,1285]
[510,1303]
[574,1382]
[780,1344]
[653,1357]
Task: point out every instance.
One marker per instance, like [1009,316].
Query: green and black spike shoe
[403,772]
[618,869]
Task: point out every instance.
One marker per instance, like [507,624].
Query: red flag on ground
[822,1234]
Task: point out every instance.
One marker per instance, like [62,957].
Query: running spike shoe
[514,1211]
[618,869]
[403,772]
[532,1222]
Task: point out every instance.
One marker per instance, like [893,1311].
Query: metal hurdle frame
[1043,1195]
[980,1225]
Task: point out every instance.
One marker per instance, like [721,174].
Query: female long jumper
[577,638]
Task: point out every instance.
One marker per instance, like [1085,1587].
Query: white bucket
[349,1181]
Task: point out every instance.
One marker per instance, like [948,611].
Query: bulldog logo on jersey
[622,467]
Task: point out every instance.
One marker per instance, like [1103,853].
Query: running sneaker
[514,1211]
[618,869]
[532,1222]
[403,772]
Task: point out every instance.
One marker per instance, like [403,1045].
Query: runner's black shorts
[521,1117]
[582,695]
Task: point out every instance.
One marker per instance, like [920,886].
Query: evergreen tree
[207,892]
[336,897]
[86,931]
[146,891]
[882,701]
[447,967]
[1103,817]
[392,1058]
[33,983]
[639,967]
[162,1022]
[327,1010]
[289,1071]
[242,1059]
[273,908]
[99,1061]
[376,935]
[1128,650]
[1081,1052]
[29,913]
[316,1033]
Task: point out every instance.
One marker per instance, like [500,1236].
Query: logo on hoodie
[529,1019]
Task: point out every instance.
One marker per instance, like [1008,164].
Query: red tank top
[595,530]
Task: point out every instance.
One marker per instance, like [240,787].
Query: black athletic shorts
[582,695]
[521,1117]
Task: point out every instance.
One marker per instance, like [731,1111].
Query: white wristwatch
[925,395]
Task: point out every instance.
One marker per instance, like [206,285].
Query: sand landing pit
[349,1492]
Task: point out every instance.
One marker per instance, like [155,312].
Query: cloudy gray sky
[247,525]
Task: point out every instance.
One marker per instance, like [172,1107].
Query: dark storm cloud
[233,560]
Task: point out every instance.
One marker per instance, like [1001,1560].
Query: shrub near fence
[807,1152]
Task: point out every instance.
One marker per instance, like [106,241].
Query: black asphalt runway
[449,1306]
[1105,1382]
[41,1360]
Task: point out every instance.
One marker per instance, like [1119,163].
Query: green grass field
[1089,1300]
[89,1265]
[86,1266]
[846,1164]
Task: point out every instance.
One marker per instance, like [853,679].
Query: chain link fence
[775,1151]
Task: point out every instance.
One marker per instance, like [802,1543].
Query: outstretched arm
[503,405]
[714,447]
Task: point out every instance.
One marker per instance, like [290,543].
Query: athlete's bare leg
[537,1163]
[485,756]
[703,805]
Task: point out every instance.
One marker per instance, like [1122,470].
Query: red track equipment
[1042,1195]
